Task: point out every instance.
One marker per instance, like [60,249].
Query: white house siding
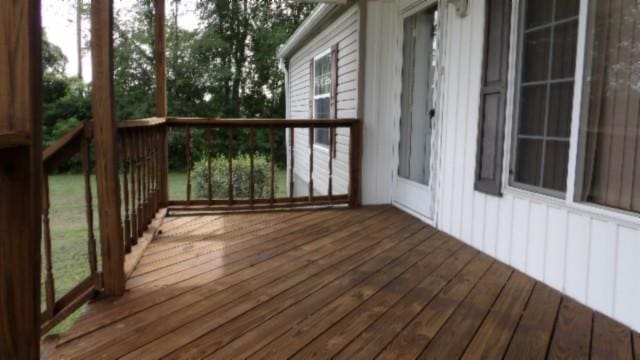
[589,255]
[344,31]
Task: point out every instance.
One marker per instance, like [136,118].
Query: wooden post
[20,179]
[161,98]
[106,154]
[160,59]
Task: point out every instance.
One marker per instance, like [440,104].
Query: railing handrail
[14,138]
[140,123]
[65,147]
[241,122]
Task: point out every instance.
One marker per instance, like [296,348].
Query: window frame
[518,84]
[571,198]
[323,54]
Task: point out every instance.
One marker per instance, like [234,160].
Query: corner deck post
[111,236]
[20,178]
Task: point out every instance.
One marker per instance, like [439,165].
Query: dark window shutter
[334,94]
[491,128]
[311,88]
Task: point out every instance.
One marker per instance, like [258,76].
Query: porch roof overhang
[311,25]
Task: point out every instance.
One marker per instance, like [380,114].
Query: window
[322,96]
[610,136]
[547,47]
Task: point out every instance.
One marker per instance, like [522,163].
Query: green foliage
[225,68]
[241,174]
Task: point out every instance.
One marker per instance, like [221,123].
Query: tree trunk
[79,9]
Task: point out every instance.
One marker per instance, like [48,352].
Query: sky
[58,20]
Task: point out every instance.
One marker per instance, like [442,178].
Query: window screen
[545,91]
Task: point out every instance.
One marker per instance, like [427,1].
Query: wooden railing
[228,130]
[77,140]
[142,168]
[140,164]
[143,182]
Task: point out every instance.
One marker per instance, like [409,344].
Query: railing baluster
[88,198]
[149,149]
[158,147]
[188,149]
[209,174]
[292,161]
[140,194]
[145,176]
[153,149]
[331,155]
[311,142]
[273,165]
[230,160]
[152,170]
[251,168]
[133,167]
[46,227]
[125,185]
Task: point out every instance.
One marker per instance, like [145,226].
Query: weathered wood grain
[111,236]
[533,335]
[344,284]
[20,178]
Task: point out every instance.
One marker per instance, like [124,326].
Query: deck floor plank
[415,262]
[572,335]
[151,321]
[467,318]
[330,342]
[533,335]
[492,339]
[332,283]
[322,285]
[611,340]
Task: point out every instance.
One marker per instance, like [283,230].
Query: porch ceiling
[345,283]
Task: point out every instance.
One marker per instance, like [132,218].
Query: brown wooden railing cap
[141,123]
[289,123]
[13,139]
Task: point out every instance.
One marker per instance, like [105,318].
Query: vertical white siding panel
[520,233]
[492,213]
[602,266]
[627,293]
[556,246]
[475,47]
[537,240]
[577,258]
[505,229]
[459,68]
[479,217]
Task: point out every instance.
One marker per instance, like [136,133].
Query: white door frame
[403,189]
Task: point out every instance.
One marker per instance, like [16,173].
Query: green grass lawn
[69,230]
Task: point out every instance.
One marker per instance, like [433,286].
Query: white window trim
[327,52]
[569,201]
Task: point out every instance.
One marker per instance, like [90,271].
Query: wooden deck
[372,282]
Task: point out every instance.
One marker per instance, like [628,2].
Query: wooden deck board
[346,284]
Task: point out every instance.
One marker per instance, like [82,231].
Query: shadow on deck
[333,283]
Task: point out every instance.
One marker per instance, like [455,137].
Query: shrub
[241,176]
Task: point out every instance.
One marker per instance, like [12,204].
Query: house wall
[586,252]
[590,254]
[344,31]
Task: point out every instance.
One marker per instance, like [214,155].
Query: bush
[241,175]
